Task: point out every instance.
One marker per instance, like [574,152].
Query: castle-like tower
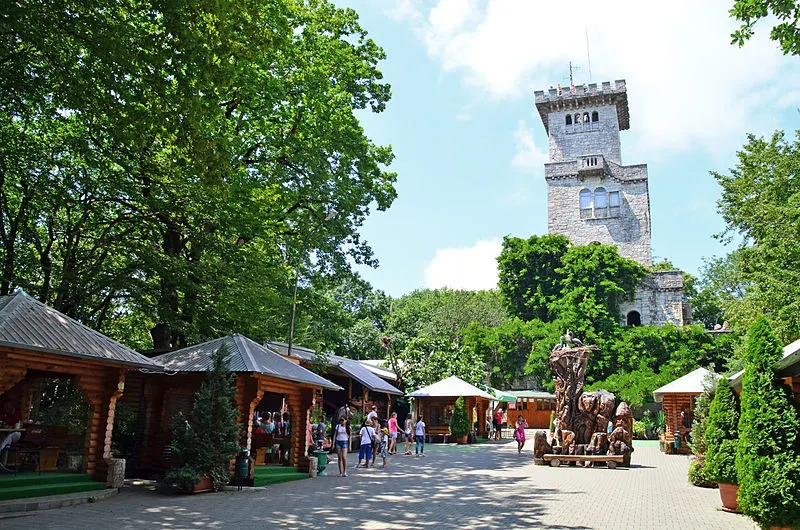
[592,197]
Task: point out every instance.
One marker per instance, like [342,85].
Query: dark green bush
[698,475]
[180,480]
[722,435]
[459,423]
[768,454]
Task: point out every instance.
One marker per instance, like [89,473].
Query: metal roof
[246,356]
[691,383]
[786,366]
[378,367]
[451,387]
[355,369]
[28,324]
[532,394]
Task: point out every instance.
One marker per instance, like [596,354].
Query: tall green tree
[759,203]
[424,361]
[722,435]
[529,274]
[768,452]
[171,159]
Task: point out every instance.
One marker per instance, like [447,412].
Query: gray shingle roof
[247,356]
[26,323]
[351,367]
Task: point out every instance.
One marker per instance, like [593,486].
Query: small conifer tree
[207,438]
[768,453]
[722,435]
[459,423]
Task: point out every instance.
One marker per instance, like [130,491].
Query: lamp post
[330,215]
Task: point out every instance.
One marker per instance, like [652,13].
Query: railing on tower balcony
[590,164]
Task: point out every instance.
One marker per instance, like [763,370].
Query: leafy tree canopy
[786,12]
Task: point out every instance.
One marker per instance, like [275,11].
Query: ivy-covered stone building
[593,198]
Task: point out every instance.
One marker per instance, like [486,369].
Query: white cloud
[688,87]
[473,268]
[528,156]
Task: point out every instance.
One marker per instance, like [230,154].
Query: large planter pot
[204,486]
[460,440]
[729,493]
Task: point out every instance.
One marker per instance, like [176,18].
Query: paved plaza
[483,486]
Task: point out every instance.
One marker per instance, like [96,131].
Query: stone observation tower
[593,198]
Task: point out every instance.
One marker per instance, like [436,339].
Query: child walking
[384,445]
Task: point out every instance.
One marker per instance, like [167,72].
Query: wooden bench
[437,430]
[611,461]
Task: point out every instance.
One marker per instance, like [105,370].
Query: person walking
[342,412]
[376,441]
[319,433]
[384,448]
[497,423]
[367,434]
[419,437]
[393,434]
[519,432]
[407,432]
[341,437]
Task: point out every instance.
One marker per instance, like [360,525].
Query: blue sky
[470,148]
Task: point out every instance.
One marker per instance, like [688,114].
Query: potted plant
[768,453]
[722,437]
[207,438]
[459,423]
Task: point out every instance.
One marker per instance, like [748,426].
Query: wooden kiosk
[263,379]
[37,342]
[677,401]
[435,404]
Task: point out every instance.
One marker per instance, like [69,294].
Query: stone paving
[483,486]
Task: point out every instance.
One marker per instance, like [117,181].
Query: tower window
[577,119]
[634,318]
[585,117]
[600,198]
[569,119]
[595,117]
[586,203]
[613,199]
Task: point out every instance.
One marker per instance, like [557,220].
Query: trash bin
[322,462]
[242,468]
[677,440]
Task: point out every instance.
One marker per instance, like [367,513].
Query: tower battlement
[584,96]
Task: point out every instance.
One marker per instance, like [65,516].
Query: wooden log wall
[101,384]
[672,405]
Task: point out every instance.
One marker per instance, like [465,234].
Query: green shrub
[702,406]
[459,423]
[208,437]
[722,435]
[768,454]
[698,475]
[639,430]
[179,480]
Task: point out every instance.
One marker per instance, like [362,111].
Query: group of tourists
[377,436]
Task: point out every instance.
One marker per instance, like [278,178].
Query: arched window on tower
[586,118]
[600,202]
[577,119]
[634,318]
[569,119]
[595,117]
[586,203]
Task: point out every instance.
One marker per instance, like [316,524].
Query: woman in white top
[419,437]
[408,433]
[341,436]
[367,435]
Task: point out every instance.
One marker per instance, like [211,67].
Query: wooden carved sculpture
[582,418]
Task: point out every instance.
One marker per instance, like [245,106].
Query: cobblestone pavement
[484,486]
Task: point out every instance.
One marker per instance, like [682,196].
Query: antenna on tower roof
[588,57]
